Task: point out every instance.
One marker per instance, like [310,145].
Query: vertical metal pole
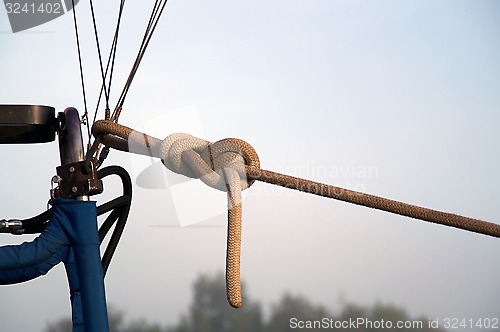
[71,140]
[84,238]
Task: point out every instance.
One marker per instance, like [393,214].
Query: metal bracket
[73,182]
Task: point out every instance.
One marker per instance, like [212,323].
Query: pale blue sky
[321,89]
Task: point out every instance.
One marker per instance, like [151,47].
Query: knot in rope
[232,165]
[197,158]
[221,165]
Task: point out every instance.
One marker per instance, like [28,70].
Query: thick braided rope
[215,164]
[232,165]
[375,202]
[233,251]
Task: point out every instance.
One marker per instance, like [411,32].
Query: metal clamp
[74,182]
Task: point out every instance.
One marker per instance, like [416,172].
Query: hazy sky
[395,98]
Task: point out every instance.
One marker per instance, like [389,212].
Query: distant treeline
[209,312]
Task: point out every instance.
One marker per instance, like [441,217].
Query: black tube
[36,224]
[122,173]
[112,204]
[115,238]
[120,212]
[108,223]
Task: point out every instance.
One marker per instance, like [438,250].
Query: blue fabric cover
[38,251]
[72,237]
[81,230]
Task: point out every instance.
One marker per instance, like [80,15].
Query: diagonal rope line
[114,46]
[237,165]
[110,62]
[156,13]
[153,21]
[98,45]
[375,202]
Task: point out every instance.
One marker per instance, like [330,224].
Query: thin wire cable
[77,35]
[111,61]
[153,21]
[115,43]
[135,66]
[99,53]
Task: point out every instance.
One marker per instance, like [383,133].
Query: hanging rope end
[235,301]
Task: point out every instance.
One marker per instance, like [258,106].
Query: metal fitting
[6,226]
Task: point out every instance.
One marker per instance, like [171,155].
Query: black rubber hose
[122,173]
[36,224]
[121,209]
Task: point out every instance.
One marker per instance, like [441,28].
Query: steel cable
[82,80]
[153,21]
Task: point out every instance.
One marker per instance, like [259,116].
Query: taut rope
[232,165]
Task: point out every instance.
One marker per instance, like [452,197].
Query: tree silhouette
[292,307]
[209,312]
[116,324]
